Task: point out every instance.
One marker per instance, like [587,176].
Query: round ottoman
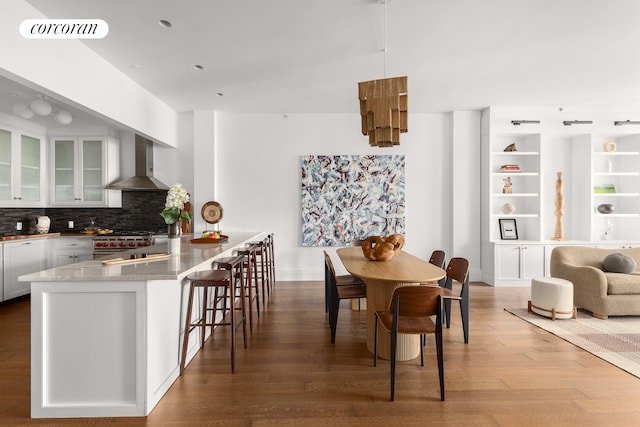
[552,297]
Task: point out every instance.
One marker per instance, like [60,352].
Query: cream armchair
[603,294]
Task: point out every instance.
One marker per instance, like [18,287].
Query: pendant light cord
[384,49]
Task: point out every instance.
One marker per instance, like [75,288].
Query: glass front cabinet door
[22,175]
[80,171]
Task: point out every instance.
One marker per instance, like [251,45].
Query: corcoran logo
[64,29]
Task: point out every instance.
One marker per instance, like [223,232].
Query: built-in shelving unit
[590,151]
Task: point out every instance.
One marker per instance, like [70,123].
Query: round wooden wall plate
[212,212]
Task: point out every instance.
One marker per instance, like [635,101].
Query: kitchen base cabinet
[69,250]
[106,341]
[24,257]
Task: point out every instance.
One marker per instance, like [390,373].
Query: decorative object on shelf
[626,122]
[384,104]
[383,109]
[610,147]
[173,213]
[577,122]
[510,147]
[523,122]
[42,107]
[42,224]
[508,229]
[606,208]
[608,231]
[507,186]
[508,208]
[604,188]
[559,211]
[509,168]
[377,248]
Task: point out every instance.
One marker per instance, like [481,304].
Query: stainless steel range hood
[143,179]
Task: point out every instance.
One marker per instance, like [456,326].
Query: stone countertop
[192,257]
[14,237]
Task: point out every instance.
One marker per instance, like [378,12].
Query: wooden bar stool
[223,283]
[261,254]
[250,282]
[272,260]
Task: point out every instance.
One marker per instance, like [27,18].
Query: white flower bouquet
[174,205]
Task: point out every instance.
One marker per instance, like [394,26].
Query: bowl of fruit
[211,237]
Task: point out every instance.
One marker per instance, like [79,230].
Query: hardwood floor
[510,374]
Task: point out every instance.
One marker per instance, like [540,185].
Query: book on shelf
[604,188]
[509,168]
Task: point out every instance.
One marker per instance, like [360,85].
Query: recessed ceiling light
[219,94]
[165,23]
[198,67]
[136,66]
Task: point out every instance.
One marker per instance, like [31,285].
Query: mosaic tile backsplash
[140,211]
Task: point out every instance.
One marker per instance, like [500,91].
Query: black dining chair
[355,288]
[410,312]
[457,271]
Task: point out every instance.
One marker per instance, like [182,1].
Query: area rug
[616,340]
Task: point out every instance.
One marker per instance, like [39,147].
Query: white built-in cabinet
[520,262]
[69,250]
[595,151]
[22,168]
[22,257]
[81,167]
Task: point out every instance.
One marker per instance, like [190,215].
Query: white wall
[257,175]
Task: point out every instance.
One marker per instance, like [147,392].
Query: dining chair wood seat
[347,290]
[341,280]
[438,258]
[457,271]
[410,312]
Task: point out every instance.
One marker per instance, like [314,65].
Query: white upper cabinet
[22,171]
[81,167]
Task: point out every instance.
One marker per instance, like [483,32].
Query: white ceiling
[307,56]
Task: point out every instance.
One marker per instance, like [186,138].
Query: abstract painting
[350,197]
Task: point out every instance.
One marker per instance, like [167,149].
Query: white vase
[42,224]
[173,245]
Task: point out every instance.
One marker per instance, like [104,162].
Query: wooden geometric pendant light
[383,109]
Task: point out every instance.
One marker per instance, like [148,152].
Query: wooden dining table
[382,277]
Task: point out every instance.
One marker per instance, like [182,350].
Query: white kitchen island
[106,340]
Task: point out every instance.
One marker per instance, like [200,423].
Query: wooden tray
[222,239]
[94,232]
[150,257]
